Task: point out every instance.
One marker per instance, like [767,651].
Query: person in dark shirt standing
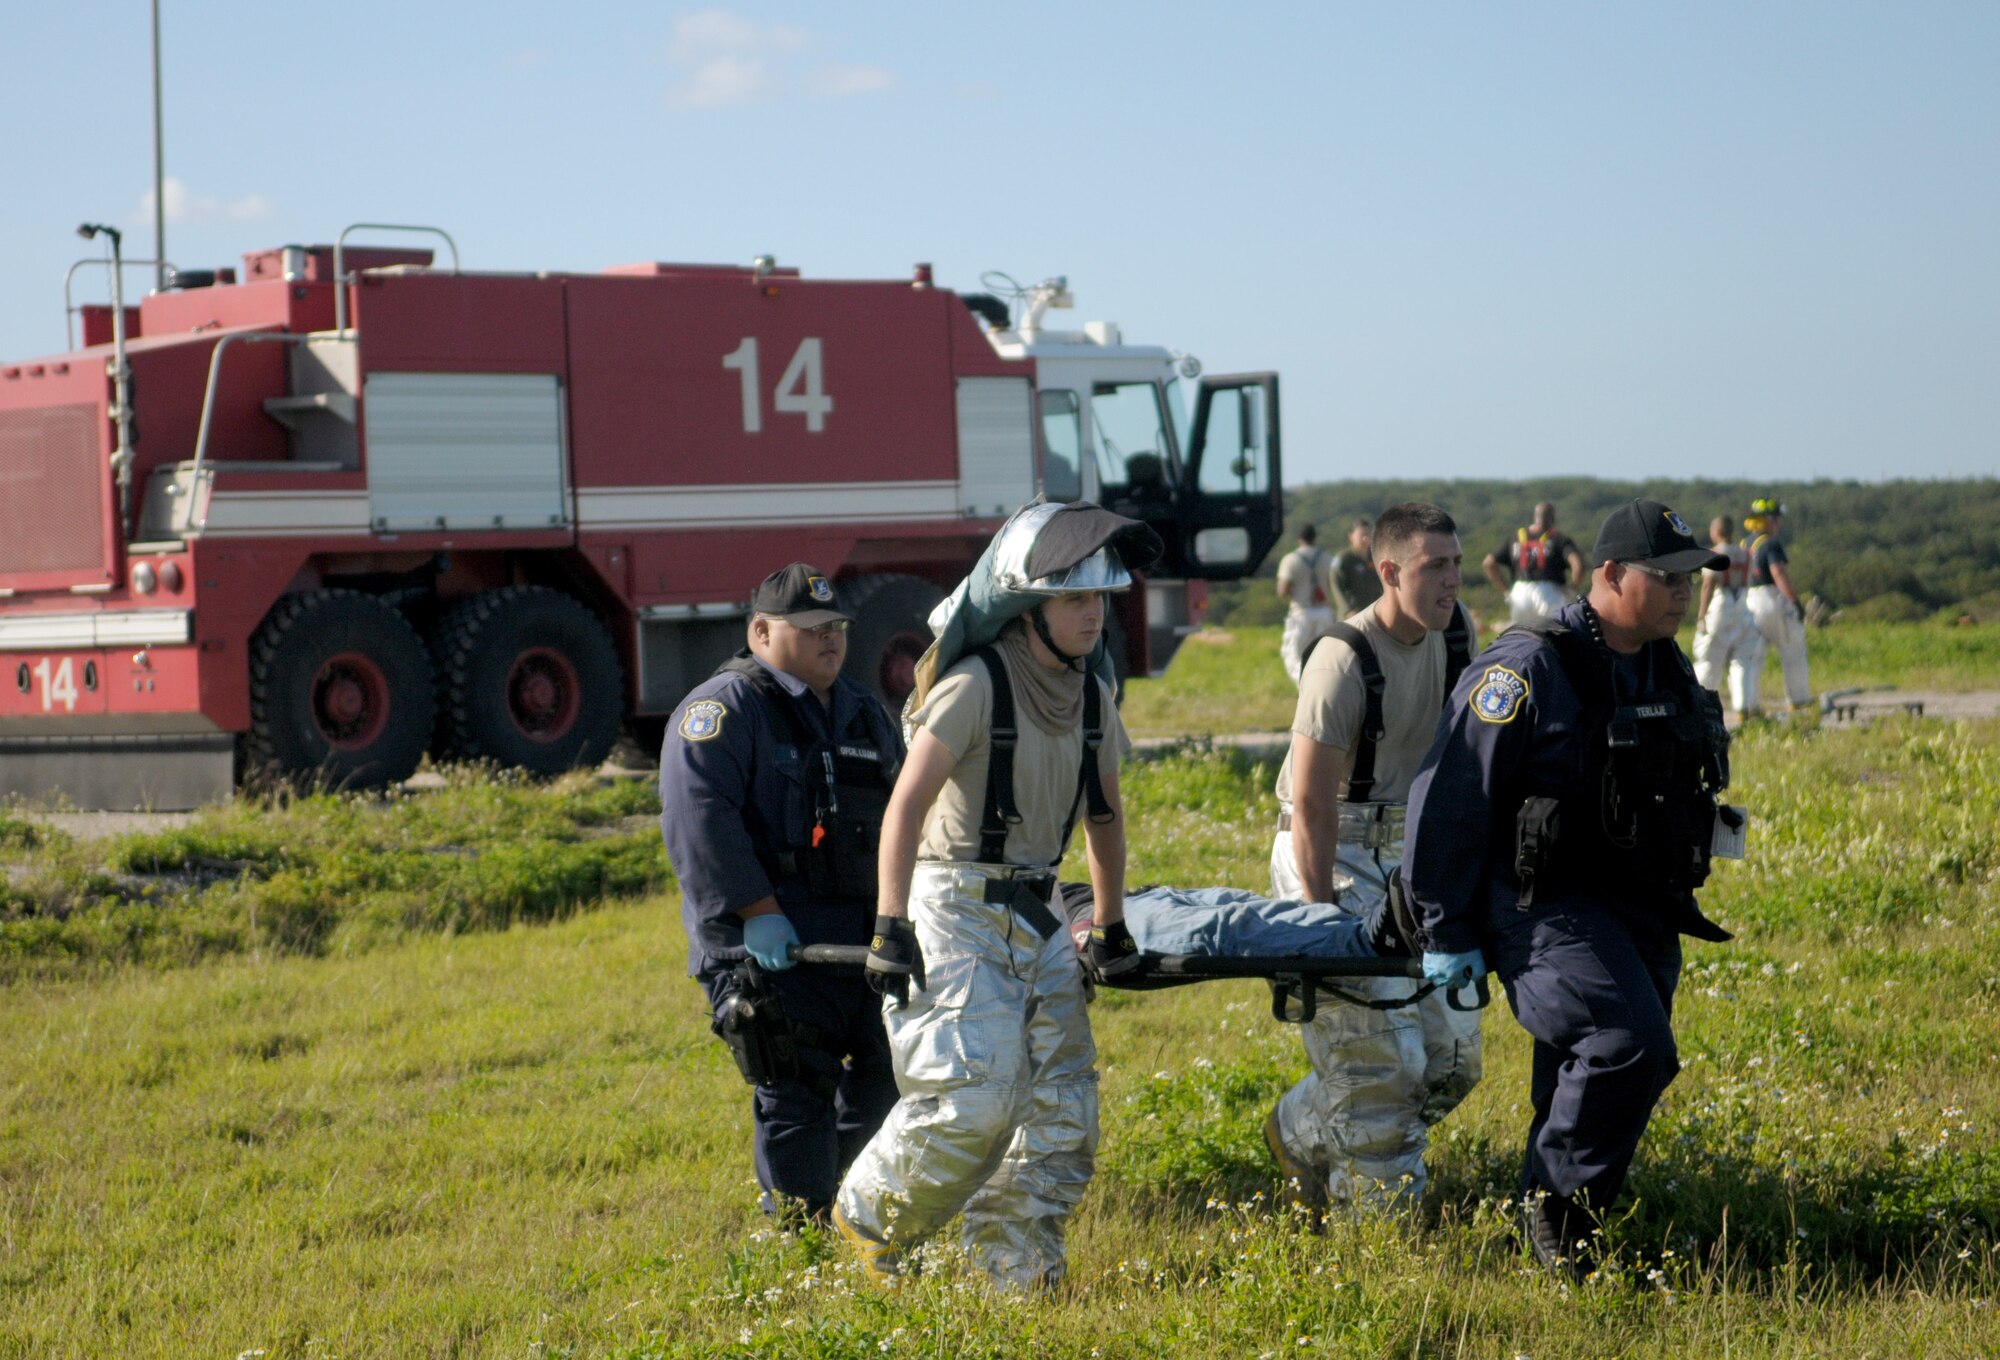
[1355,584]
[1775,606]
[1558,829]
[1535,569]
[773,780]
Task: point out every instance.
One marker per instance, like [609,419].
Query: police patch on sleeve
[703,720]
[1498,696]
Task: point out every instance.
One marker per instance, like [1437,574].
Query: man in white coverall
[1012,745]
[1724,632]
[1305,583]
[1353,1132]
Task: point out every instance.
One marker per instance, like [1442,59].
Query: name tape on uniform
[1497,697]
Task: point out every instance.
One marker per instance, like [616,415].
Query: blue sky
[1475,239]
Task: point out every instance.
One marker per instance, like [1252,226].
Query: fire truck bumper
[123,773]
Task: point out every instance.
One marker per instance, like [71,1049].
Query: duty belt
[1378,826]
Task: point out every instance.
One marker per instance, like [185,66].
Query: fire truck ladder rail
[71,307]
[340,275]
[198,512]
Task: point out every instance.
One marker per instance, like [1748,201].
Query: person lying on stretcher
[1189,935]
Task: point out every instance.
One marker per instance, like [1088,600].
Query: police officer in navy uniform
[1583,756]
[773,780]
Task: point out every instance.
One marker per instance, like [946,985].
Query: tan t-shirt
[1306,574]
[959,713]
[1332,700]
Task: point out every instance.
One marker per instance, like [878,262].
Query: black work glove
[1113,952]
[893,959]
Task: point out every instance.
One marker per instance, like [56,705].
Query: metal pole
[159,168]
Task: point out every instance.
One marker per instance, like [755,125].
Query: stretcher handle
[837,955]
[1482,995]
[1265,965]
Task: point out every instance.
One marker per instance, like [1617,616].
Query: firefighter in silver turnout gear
[1012,743]
[1352,1133]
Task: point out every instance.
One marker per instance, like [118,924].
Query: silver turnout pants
[1380,1078]
[1724,648]
[1531,600]
[1779,626]
[998,1076]
[1304,625]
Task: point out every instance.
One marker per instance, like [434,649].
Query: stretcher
[1188,935]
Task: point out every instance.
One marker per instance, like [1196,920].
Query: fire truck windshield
[1128,420]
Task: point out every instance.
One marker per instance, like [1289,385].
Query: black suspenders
[1002,812]
[1457,654]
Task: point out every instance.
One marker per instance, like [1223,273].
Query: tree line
[1900,550]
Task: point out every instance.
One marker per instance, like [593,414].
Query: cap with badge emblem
[800,595]
[1651,534]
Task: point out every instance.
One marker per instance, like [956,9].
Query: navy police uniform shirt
[1514,728]
[734,796]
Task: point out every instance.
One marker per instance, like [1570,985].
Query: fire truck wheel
[889,635]
[1114,643]
[528,677]
[341,693]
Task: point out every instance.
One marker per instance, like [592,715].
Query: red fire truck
[346,507]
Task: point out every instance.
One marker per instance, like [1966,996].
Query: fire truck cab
[348,508]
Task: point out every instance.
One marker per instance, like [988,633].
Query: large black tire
[528,677]
[341,693]
[1114,643]
[891,631]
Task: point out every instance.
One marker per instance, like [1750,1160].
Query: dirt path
[1862,705]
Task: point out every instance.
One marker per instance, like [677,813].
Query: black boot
[1562,1236]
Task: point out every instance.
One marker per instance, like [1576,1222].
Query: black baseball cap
[800,594]
[1650,532]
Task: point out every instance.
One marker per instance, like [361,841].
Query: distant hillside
[1898,550]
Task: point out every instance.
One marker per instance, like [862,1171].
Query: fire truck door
[1229,509]
[465,451]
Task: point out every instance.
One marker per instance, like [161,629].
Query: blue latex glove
[768,938]
[1447,972]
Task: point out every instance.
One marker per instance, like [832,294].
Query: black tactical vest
[847,782]
[1637,821]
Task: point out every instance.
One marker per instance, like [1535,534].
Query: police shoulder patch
[703,720]
[1498,695]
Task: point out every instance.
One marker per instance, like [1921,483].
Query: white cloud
[720,82]
[702,34]
[185,205]
[840,82]
[726,60]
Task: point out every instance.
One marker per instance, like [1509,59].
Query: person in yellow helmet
[1774,604]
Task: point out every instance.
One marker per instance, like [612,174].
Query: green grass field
[424,1077]
[1232,680]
